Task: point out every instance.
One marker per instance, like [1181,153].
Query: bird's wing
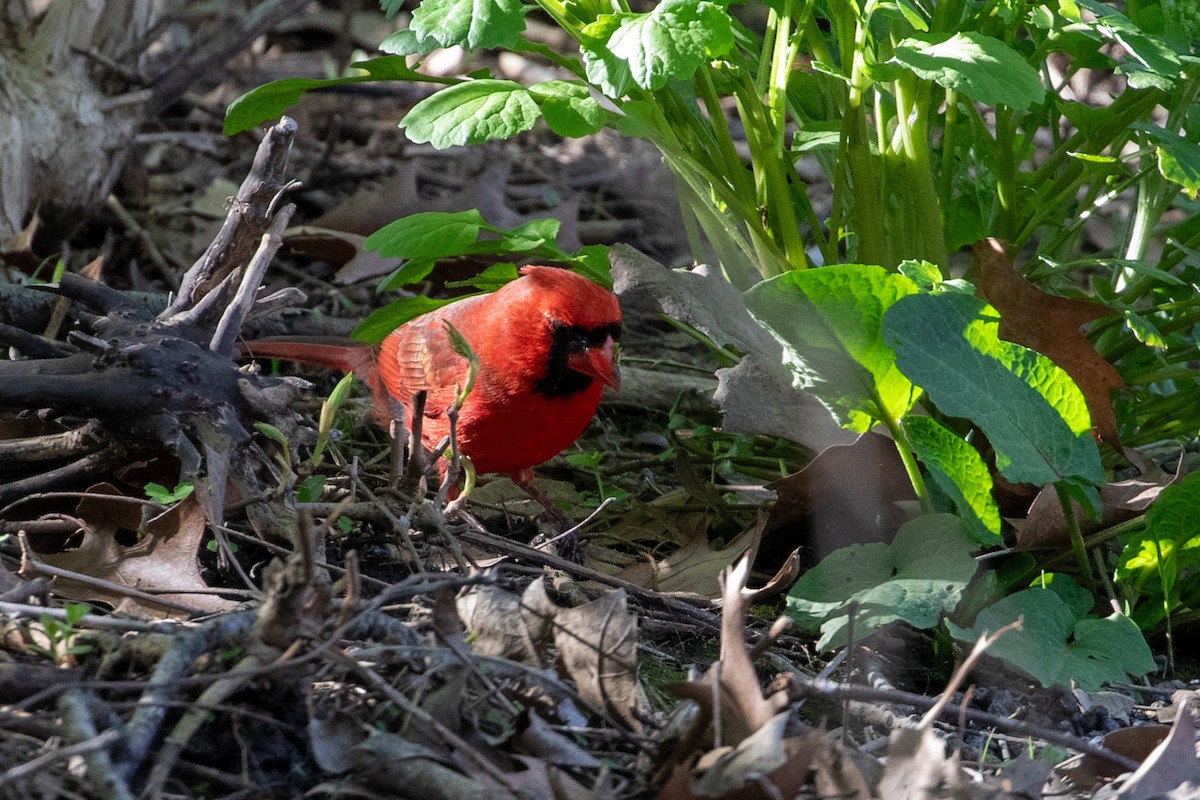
[417,357]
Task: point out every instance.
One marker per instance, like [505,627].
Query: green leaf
[492,278]
[1179,162]
[959,471]
[161,494]
[1055,646]
[472,112]
[430,234]
[1149,54]
[309,491]
[980,67]
[406,43]
[383,321]
[828,321]
[1032,412]
[473,24]
[916,578]
[537,233]
[1153,559]
[270,100]
[671,41]
[569,108]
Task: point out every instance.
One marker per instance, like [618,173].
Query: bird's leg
[565,540]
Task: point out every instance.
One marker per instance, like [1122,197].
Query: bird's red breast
[545,344]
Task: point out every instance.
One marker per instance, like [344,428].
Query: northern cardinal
[545,344]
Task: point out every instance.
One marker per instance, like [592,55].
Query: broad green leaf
[1056,647]
[1032,412]
[670,41]
[916,579]
[430,234]
[406,43]
[1148,54]
[604,69]
[490,279]
[473,24]
[1146,331]
[1153,559]
[980,67]
[958,470]
[569,108]
[271,99]
[1179,162]
[529,235]
[413,270]
[472,112]
[828,321]
[384,320]
[161,494]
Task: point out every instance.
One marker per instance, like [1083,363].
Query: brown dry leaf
[918,767]
[343,250]
[1086,771]
[1045,526]
[538,738]
[1170,766]
[164,558]
[1050,324]
[693,568]
[835,773]
[502,624]
[737,773]
[848,494]
[597,643]
[757,395]
[743,709]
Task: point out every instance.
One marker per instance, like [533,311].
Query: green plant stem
[908,458]
[856,146]
[919,189]
[1077,544]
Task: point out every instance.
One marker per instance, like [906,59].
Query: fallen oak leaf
[1050,325]
[166,557]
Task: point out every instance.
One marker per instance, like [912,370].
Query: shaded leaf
[1031,411]
[916,578]
[1058,646]
[165,558]
[756,396]
[829,323]
[1050,325]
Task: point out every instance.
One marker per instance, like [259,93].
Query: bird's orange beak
[598,362]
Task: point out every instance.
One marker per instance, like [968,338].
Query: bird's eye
[576,344]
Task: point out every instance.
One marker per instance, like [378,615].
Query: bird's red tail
[344,355]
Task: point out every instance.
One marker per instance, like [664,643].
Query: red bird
[545,344]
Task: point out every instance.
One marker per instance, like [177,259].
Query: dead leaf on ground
[500,625]
[848,494]
[743,708]
[597,644]
[1050,325]
[757,395]
[166,557]
[693,568]
[1045,527]
[1086,771]
[1169,767]
[341,249]
[918,767]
